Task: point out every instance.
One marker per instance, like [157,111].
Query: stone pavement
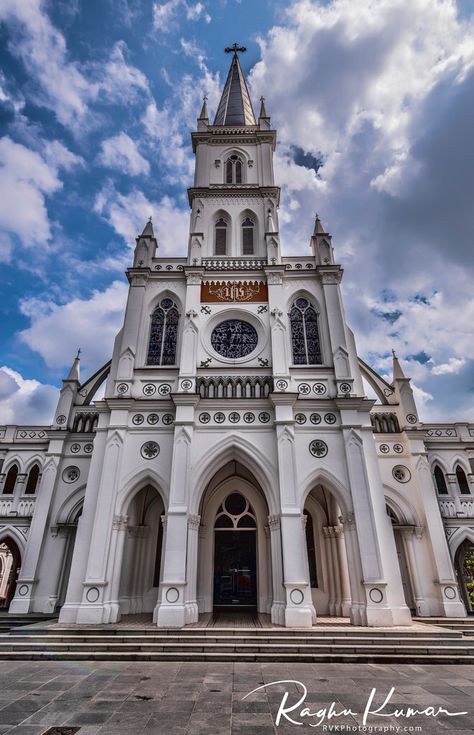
[175,698]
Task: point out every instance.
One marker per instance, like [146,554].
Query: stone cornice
[222,135]
[234,191]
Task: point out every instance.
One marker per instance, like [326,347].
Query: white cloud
[122,153]
[57,330]
[25,401]
[26,179]
[166,15]
[127,214]
[453,365]
[64,86]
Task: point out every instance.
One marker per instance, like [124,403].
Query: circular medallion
[92,594]
[249,417]
[319,389]
[149,389]
[234,338]
[315,418]
[219,417]
[401,473]
[153,418]
[281,384]
[304,389]
[164,389]
[330,418]
[88,448]
[138,419]
[384,448]
[122,388]
[172,595]
[204,418]
[234,417]
[411,418]
[344,387]
[296,596]
[318,448]
[61,419]
[71,474]
[75,448]
[450,593]
[300,418]
[264,417]
[376,595]
[398,448]
[150,450]
[23,590]
[186,384]
[167,419]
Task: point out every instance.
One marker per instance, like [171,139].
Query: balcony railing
[385,423]
[24,508]
[229,386]
[453,509]
[233,264]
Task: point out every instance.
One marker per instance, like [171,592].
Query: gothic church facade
[235,460]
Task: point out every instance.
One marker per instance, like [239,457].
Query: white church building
[234,460]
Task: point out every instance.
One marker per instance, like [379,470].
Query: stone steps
[463,625]
[432,645]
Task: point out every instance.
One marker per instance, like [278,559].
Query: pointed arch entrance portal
[234,560]
[464,564]
[10,564]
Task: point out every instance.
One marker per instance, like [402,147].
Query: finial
[263,112]
[204,115]
[78,356]
[393,353]
[235,48]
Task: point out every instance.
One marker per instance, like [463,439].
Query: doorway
[11,565]
[464,564]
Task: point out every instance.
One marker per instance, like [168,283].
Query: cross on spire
[235,48]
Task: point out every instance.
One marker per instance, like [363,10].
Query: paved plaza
[103,698]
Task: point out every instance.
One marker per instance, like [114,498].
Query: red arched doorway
[11,566]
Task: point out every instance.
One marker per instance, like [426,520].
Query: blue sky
[97,102]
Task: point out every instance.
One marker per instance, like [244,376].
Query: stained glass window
[32,481]
[247,236]
[221,237]
[10,481]
[163,334]
[304,333]
[234,338]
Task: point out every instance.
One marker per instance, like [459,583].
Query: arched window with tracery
[462,481]
[221,237]
[32,482]
[440,481]
[10,480]
[305,342]
[248,229]
[163,334]
[233,170]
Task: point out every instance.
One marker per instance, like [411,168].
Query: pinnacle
[148,231]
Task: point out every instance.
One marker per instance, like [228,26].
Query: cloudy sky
[97,101]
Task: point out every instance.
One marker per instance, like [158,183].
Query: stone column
[119,531]
[192,612]
[343,571]
[329,570]
[278,602]
[409,533]
[358,607]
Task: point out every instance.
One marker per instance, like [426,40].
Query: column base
[192,612]
[88,614]
[453,609]
[20,606]
[171,616]
[277,613]
[296,617]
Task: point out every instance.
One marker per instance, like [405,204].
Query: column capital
[274,522]
[193,522]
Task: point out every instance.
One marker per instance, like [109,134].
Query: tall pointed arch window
[10,480]
[462,481]
[163,334]
[305,342]
[221,237]
[311,549]
[248,229]
[32,482]
[233,170]
[440,481]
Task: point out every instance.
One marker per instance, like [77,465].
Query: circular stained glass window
[234,338]
[235,504]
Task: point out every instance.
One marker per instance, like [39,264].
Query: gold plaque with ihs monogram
[233,291]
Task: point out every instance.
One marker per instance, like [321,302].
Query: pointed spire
[204,113]
[397,371]
[148,231]
[318,227]
[74,373]
[235,107]
[263,111]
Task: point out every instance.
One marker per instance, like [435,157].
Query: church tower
[234,463]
